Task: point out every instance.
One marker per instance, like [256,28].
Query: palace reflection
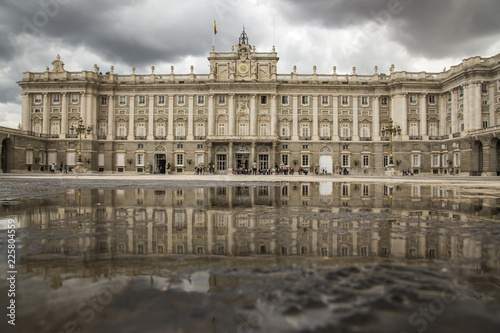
[307,219]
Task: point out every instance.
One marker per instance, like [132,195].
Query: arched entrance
[495,156]
[7,156]
[325,160]
[477,158]
[160,161]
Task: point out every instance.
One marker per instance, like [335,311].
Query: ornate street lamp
[391,130]
[80,129]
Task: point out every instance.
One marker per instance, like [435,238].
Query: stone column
[295,118]
[83,107]
[454,112]
[189,216]
[491,102]
[252,155]
[190,117]
[170,135]
[423,116]
[230,113]
[131,119]
[273,155]
[376,119]
[26,112]
[64,115]
[442,114]
[467,99]
[46,114]
[355,119]
[151,118]
[404,116]
[230,165]
[477,107]
[274,116]
[315,136]
[93,116]
[335,102]
[111,118]
[211,115]
[253,115]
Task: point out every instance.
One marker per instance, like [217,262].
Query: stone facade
[243,111]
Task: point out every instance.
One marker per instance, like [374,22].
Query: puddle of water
[294,257]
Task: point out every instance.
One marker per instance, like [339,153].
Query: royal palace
[244,112]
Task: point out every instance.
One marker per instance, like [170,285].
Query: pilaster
[64,115]
[46,114]
[151,118]
[315,136]
[190,117]
[335,120]
[355,118]
[376,118]
[170,134]
[26,112]
[423,116]
[295,118]
[131,119]
[111,118]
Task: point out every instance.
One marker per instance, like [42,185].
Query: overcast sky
[415,35]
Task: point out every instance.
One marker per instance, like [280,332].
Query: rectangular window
[345,131]
[456,159]
[284,100]
[263,99]
[75,98]
[432,99]
[386,160]
[366,190]
[345,100]
[56,98]
[415,161]
[200,129]
[383,101]
[104,100]
[221,129]
[435,161]
[142,100]
[461,92]
[345,160]
[305,100]
[413,129]
[180,100]
[284,159]
[325,130]
[180,159]
[201,100]
[324,100]
[161,100]
[123,100]
[242,129]
[222,99]
[366,161]
[484,88]
[364,101]
[365,130]
[38,99]
[485,124]
[433,129]
[305,147]
[285,129]
[305,160]
[140,159]
[413,99]
[263,129]
[305,130]
[284,147]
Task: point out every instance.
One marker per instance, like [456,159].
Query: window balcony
[284,137]
[434,138]
[118,137]
[140,137]
[384,138]
[54,136]
[180,137]
[200,137]
[415,138]
[71,136]
[101,137]
[345,138]
[160,137]
[365,138]
[306,138]
[325,138]
[456,135]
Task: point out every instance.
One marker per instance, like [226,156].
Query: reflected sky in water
[212,241]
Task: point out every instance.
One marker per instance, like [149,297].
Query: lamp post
[80,128]
[391,130]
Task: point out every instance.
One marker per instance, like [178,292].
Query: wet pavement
[252,254]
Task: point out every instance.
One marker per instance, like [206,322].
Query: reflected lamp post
[391,130]
[80,128]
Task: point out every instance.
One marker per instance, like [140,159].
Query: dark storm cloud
[117,30]
[430,28]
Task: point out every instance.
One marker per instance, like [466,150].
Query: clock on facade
[243,68]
